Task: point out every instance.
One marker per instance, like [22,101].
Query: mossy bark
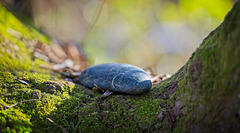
[203,96]
[210,81]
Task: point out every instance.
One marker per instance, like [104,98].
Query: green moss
[117,113]
[71,106]
[205,84]
[212,81]
[16,63]
[12,28]
[12,120]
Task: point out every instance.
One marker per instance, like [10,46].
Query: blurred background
[160,34]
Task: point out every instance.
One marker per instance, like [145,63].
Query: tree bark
[209,83]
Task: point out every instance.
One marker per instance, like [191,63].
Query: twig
[22,81]
[64,131]
[7,94]
[19,103]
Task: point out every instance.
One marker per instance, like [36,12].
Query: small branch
[7,94]
[19,103]
[64,131]
[22,81]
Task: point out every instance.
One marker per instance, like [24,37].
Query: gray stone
[116,77]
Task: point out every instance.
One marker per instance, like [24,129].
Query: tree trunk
[203,96]
[209,83]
